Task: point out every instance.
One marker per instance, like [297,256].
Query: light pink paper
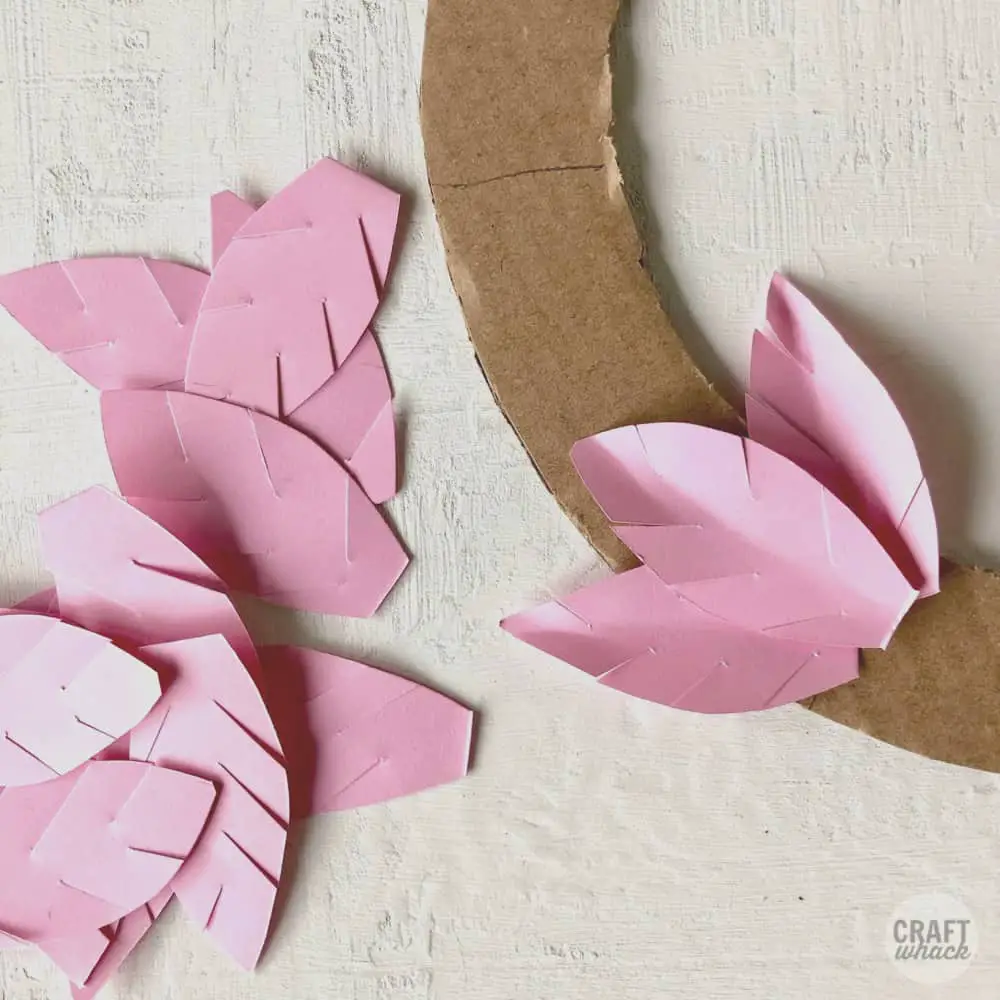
[229,214]
[351,417]
[124,938]
[65,695]
[638,635]
[45,602]
[120,574]
[119,322]
[744,534]
[79,852]
[77,955]
[212,722]
[264,506]
[294,290]
[812,389]
[355,735]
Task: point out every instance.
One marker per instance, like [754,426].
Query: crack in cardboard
[521,173]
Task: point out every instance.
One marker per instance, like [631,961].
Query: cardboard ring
[544,255]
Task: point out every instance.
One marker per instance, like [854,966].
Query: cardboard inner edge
[545,257]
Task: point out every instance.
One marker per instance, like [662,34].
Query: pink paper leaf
[79,852]
[294,291]
[120,574]
[77,955]
[213,722]
[351,416]
[124,937]
[355,735]
[119,322]
[636,634]
[744,534]
[229,214]
[65,695]
[811,394]
[264,506]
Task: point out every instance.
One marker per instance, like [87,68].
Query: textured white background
[602,847]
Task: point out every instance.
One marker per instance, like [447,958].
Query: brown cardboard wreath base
[545,257]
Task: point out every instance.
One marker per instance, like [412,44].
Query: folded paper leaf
[264,506]
[817,401]
[65,695]
[79,852]
[119,322]
[120,574]
[638,635]
[212,722]
[294,290]
[744,534]
[123,936]
[355,735]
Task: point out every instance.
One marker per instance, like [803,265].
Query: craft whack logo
[932,938]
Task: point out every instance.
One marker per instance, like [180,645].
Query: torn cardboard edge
[546,260]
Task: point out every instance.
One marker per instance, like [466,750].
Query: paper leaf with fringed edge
[814,400]
[124,937]
[294,290]
[636,634]
[121,574]
[213,722]
[354,735]
[79,852]
[263,505]
[66,694]
[119,322]
[119,571]
[745,534]
[350,414]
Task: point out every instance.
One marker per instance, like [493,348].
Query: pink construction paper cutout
[45,602]
[294,290]
[120,574]
[745,534]
[119,322]
[350,414]
[636,634]
[261,503]
[79,852]
[124,938]
[65,695]
[77,955]
[229,214]
[804,373]
[354,735]
[212,722]
[351,417]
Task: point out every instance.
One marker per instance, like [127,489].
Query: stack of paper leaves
[147,750]
[767,563]
[145,760]
[249,411]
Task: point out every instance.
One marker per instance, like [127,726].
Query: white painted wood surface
[602,847]
[856,145]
